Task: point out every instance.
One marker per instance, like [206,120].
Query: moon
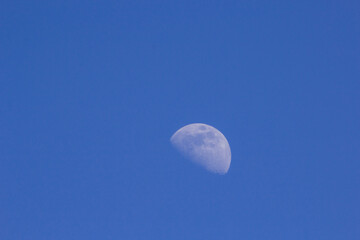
[204,145]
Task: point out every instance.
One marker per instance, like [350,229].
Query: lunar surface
[204,145]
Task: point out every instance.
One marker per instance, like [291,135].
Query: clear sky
[91,92]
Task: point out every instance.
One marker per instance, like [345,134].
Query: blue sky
[91,93]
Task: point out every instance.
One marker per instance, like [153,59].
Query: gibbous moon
[204,145]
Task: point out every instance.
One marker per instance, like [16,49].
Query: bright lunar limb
[204,145]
